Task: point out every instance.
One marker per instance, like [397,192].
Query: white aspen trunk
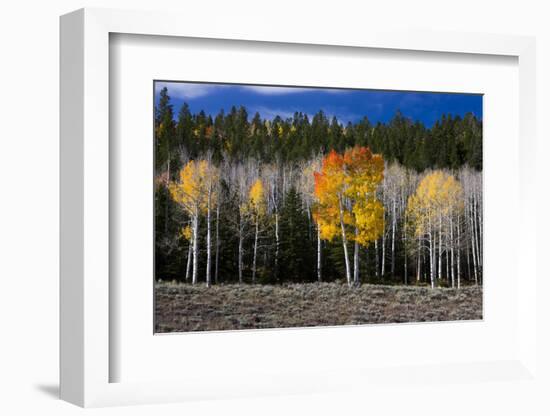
[452,253]
[440,254]
[276,243]
[255,251]
[458,255]
[447,276]
[383,270]
[393,227]
[474,262]
[195,248]
[432,262]
[319,259]
[479,248]
[356,260]
[405,266]
[308,222]
[366,262]
[418,261]
[345,243]
[468,262]
[480,240]
[208,241]
[217,255]
[405,236]
[480,219]
[189,255]
[405,270]
[240,256]
[476,241]
[383,199]
[474,227]
[377,257]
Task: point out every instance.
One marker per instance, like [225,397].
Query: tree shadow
[51,390]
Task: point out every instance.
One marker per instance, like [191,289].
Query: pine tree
[297,257]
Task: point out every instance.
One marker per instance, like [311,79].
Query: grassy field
[181,307]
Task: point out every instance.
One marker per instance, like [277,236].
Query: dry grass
[181,308]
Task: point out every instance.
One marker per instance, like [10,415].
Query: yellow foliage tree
[189,189]
[190,192]
[257,207]
[186,233]
[430,211]
[257,198]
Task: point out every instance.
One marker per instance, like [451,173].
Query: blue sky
[346,104]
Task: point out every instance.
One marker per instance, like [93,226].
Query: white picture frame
[85,354]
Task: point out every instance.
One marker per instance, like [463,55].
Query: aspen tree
[212,189]
[306,187]
[257,207]
[189,191]
[346,192]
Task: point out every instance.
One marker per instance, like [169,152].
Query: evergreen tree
[297,261]
[164,132]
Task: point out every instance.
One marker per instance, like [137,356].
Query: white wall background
[29,203]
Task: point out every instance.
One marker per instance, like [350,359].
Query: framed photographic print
[279,213]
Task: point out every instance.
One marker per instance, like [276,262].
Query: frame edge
[71,220]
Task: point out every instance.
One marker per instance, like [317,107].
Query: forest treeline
[242,199]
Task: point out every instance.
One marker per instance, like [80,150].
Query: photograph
[280,206]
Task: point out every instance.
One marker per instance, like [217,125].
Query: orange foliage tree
[345,189]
